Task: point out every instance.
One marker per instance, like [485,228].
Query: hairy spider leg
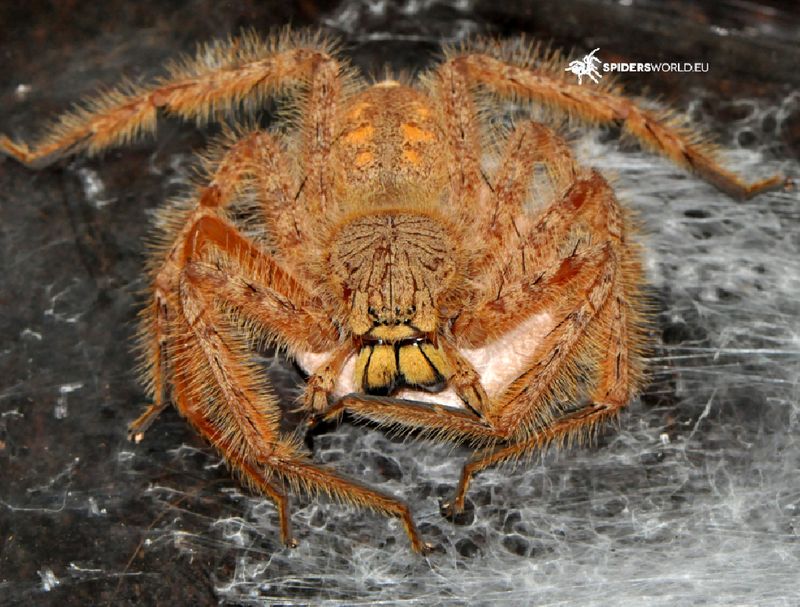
[222,394]
[507,222]
[249,156]
[223,77]
[227,397]
[603,104]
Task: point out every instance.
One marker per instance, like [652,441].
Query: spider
[428,267]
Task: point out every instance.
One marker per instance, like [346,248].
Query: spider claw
[421,547]
[139,426]
[458,512]
[446,508]
[427,548]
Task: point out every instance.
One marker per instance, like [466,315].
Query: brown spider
[378,238]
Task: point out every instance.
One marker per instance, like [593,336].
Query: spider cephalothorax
[394,270]
[402,249]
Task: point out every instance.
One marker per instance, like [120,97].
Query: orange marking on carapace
[414,134]
[411,156]
[363,158]
[360,135]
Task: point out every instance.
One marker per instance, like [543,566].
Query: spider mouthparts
[383,367]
